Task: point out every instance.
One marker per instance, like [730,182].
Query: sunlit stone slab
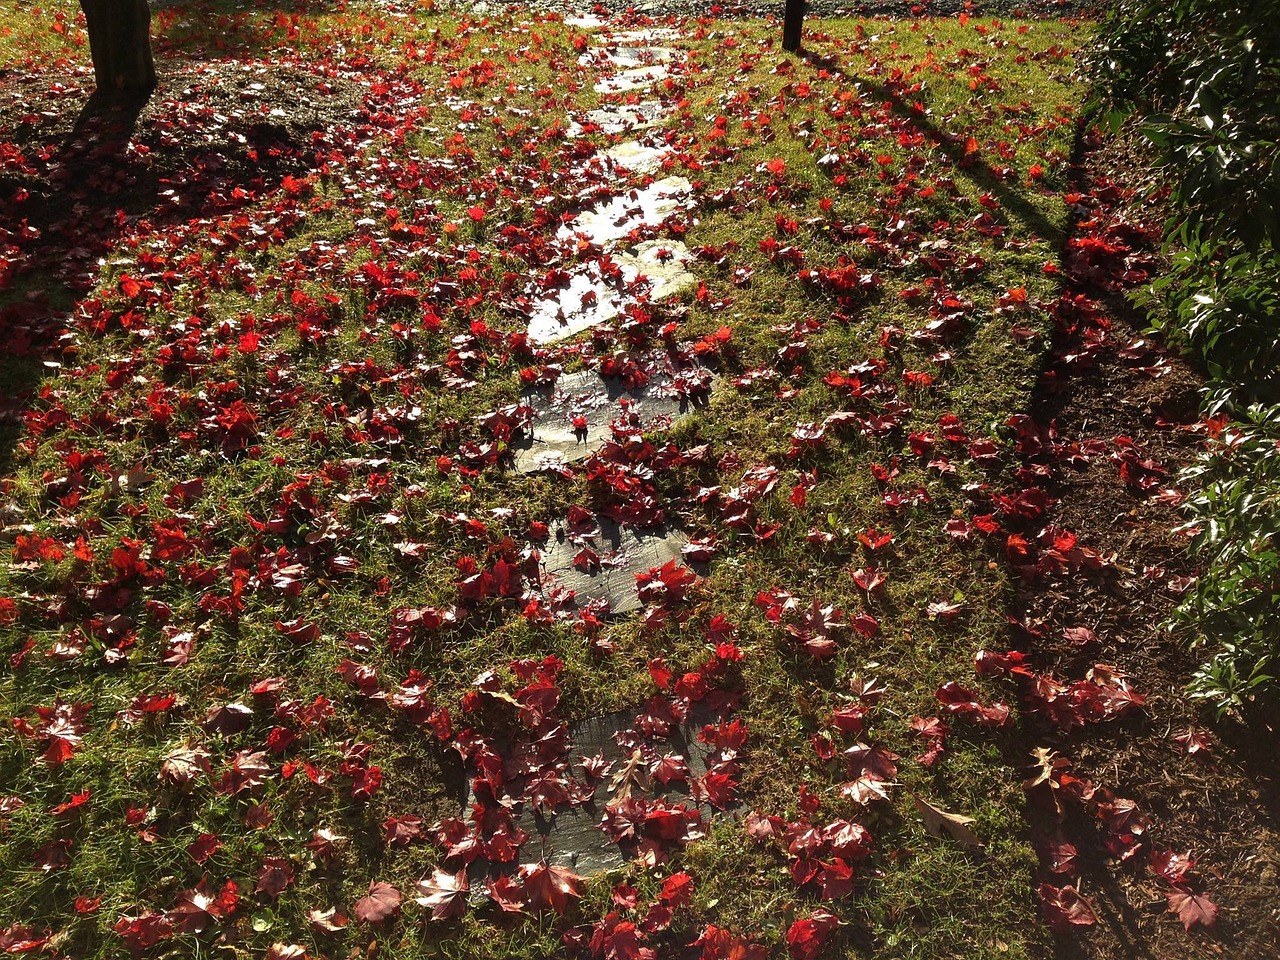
[590,300]
[623,117]
[636,157]
[639,78]
[617,217]
[604,567]
[572,420]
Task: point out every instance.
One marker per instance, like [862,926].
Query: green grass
[923,897]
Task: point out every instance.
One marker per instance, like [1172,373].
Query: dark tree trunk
[792,23]
[120,40]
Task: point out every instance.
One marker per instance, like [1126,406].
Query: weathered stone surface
[625,81]
[571,421]
[571,837]
[642,36]
[635,157]
[585,21]
[619,216]
[622,117]
[607,563]
[590,300]
[625,56]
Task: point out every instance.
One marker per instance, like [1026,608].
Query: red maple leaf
[276,875]
[1192,908]
[1065,908]
[805,938]
[549,887]
[445,893]
[382,902]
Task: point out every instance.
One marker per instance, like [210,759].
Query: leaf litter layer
[272,569]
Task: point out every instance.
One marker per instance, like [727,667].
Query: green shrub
[1234,609]
[1202,80]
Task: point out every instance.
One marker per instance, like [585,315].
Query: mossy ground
[953,120]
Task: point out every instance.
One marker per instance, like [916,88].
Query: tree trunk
[120,41]
[792,24]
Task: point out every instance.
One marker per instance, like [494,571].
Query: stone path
[626,267]
[594,293]
[595,560]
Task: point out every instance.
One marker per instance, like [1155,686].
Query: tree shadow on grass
[1013,201]
[82,182]
[37,299]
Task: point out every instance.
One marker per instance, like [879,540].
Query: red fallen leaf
[299,631]
[1192,908]
[19,939]
[806,937]
[327,921]
[228,718]
[1194,742]
[184,764]
[143,931]
[1171,865]
[286,951]
[507,894]
[382,902]
[204,847]
[761,827]
[401,831]
[324,843]
[961,702]
[1080,636]
[666,585]
[848,720]
[445,893]
[60,730]
[869,580]
[55,855]
[660,673]
[670,767]
[551,887]
[246,771]
[274,877]
[1058,856]
[198,909]
[717,943]
[1064,908]
[87,905]
[77,800]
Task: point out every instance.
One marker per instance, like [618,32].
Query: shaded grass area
[897,103]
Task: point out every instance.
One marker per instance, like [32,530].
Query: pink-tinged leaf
[276,874]
[18,939]
[551,887]
[1064,908]
[382,902]
[1192,908]
[327,921]
[445,893]
[805,938]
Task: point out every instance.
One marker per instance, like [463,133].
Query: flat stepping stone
[628,80]
[603,567]
[623,117]
[571,836]
[641,37]
[585,21]
[625,57]
[625,213]
[589,300]
[572,420]
[635,157]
